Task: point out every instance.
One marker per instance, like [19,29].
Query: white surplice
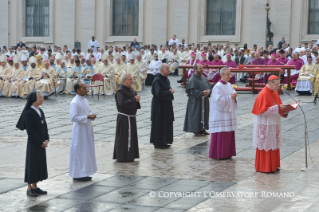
[223,108]
[82,150]
[267,130]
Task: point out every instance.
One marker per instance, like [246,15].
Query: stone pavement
[177,179]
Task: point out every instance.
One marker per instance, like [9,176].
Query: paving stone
[119,181]
[10,184]
[55,205]
[134,208]
[88,192]
[121,195]
[93,207]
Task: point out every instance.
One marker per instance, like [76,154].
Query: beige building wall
[77,20]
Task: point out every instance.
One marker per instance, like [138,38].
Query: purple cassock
[282,61]
[205,62]
[267,75]
[205,70]
[259,61]
[189,72]
[231,64]
[294,73]
[266,61]
[273,62]
[217,76]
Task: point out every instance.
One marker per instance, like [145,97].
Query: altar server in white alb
[82,150]
[223,118]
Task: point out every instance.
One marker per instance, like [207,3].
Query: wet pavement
[181,178]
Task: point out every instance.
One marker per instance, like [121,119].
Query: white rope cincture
[129,128]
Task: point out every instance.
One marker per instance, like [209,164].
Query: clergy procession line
[219,118]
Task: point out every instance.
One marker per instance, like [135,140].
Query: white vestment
[155,64]
[82,150]
[223,108]
[94,44]
[267,130]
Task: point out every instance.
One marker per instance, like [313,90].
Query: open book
[291,107]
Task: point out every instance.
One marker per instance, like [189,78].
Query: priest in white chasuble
[62,75]
[58,61]
[5,72]
[184,57]
[142,66]
[27,84]
[73,77]
[109,76]
[88,72]
[132,68]
[16,77]
[118,69]
[46,84]
[307,77]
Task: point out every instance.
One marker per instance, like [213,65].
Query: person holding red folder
[267,136]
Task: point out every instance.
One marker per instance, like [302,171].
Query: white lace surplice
[267,130]
[223,108]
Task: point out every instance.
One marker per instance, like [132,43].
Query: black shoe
[162,146]
[83,179]
[31,193]
[180,81]
[39,191]
[46,97]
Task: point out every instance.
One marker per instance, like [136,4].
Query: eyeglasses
[227,74]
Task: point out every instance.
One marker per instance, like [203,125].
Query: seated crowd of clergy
[57,70]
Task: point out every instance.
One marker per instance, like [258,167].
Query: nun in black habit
[32,119]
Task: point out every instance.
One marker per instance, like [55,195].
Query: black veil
[31,99]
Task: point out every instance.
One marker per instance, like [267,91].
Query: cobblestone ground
[152,182]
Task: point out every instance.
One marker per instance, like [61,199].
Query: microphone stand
[305,124]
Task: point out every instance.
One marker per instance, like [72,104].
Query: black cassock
[36,162]
[162,114]
[126,104]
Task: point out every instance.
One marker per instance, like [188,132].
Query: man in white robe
[82,151]
[173,41]
[93,44]
[153,69]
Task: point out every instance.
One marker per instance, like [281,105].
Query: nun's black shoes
[31,193]
[39,191]
[83,179]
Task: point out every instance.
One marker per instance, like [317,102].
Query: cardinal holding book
[267,135]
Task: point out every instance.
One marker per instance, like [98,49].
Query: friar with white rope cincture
[127,103]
